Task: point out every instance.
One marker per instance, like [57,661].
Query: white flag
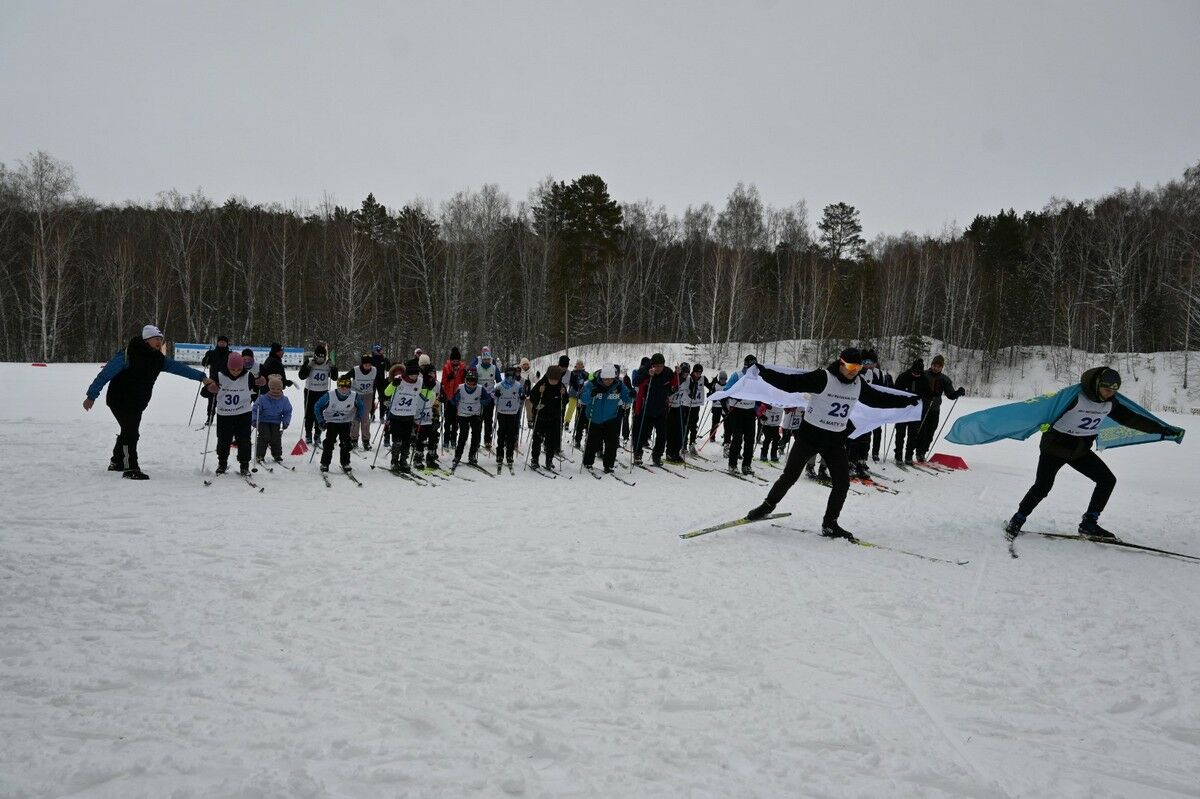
[866,418]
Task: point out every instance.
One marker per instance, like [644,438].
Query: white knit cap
[608,372]
[150,331]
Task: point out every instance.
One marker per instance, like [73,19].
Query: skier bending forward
[835,390]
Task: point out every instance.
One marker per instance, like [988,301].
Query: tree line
[569,265]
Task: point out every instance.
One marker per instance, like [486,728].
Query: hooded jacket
[604,402]
[1070,447]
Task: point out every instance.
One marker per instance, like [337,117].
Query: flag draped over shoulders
[751,386]
[1020,420]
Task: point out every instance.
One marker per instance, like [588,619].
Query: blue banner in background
[194,353]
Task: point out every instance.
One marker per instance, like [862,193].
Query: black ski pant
[310,413]
[1089,465]
[602,438]
[876,440]
[770,443]
[656,425]
[718,411]
[489,421]
[508,428]
[834,456]
[425,444]
[857,448]
[581,423]
[449,425]
[269,435]
[548,434]
[125,452]
[676,426]
[906,430]
[339,433]
[400,428]
[468,426]
[692,425]
[625,424]
[926,430]
[381,403]
[740,424]
[230,429]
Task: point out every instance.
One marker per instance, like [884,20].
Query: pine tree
[841,232]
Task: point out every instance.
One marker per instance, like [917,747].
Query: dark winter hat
[870,355]
[657,359]
[222,338]
[749,360]
[564,362]
[851,355]
[275,347]
[455,355]
[396,371]
[918,365]
[722,376]
[319,349]
[376,348]
[685,367]
[645,362]
[366,358]
[248,353]
[413,367]
[511,369]
[472,376]
[1109,378]
[938,360]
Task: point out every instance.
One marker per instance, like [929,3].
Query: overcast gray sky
[918,113]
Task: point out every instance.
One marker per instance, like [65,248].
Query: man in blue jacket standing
[130,377]
[603,398]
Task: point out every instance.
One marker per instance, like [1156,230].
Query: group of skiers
[603,409]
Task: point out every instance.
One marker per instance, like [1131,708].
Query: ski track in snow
[523,637]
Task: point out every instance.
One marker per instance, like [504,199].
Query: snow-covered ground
[520,636]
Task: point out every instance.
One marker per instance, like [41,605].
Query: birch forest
[569,265]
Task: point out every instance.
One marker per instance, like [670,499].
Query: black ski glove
[961,392]
[914,401]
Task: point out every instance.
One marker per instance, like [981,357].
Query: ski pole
[948,415]
[204,460]
[378,448]
[196,400]
[254,447]
[316,444]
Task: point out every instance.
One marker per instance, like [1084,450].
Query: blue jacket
[119,364]
[323,403]
[604,404]
[269,410]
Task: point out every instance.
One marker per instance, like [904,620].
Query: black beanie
[564,361]
[918,365]
[413,367]
[748,360]
[657,359]
[850,355]
[455,355]
[319,349]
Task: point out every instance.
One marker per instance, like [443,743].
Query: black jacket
[654,392]
[931,387]
[273,365]
[814,382]
[215,359]
[383,365]
[547,404]
[1070,447]
[131,389]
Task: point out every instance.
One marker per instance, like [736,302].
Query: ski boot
[221,468]
[656,461]
[1013,528]
[324,468]
[347,468]
[834,530]
[472,461]
[244,470]
[135,474]
[762,510]
[746,470]
[113,466]
[366,445]
[1089,527]
[499,466]
[692,451]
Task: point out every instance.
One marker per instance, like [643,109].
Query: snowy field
[527,637]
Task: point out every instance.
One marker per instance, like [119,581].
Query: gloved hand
[283,427]
[961,392]
[914,401]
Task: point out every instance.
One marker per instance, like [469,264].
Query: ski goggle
[852,368]
[1110,384]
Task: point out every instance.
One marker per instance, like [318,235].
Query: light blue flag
[1020,420]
